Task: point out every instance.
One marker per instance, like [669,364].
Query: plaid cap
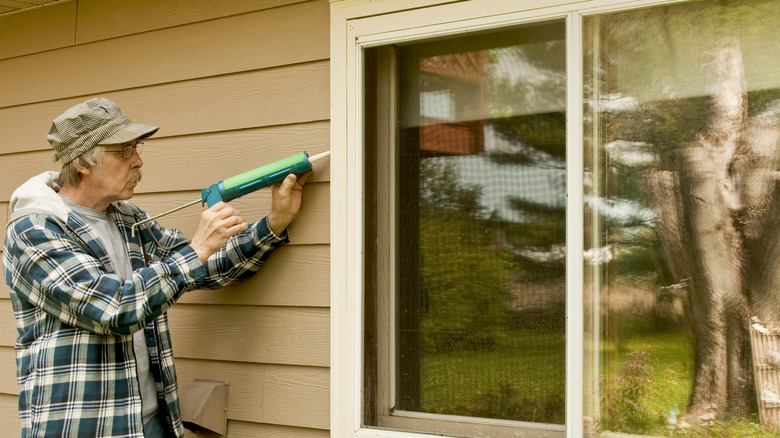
[96,121]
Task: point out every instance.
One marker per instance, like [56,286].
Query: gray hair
[91,158]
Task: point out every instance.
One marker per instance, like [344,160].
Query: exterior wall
[233,85]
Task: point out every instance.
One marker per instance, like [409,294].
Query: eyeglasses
[127,151]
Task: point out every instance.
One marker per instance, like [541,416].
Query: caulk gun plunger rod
[173,210]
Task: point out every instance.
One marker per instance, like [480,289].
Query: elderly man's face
[117,177]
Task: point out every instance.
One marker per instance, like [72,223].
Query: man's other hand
[217,224]
[285,202]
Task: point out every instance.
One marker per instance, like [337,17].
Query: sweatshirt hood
[38,195]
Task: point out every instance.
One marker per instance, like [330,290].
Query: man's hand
[285,202]
[217,225]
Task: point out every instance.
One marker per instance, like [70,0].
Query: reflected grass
[671,360]
[522,378]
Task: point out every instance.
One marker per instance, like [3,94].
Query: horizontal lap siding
[279,96]
[103,19]
[3,221]
[233,85]
[7,324]
[9,415]
[22,33]
[264,39]
[8,370]
[278,335]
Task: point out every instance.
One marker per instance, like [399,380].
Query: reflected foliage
[539,139]
[465,279]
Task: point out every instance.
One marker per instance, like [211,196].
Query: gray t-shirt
[110,237]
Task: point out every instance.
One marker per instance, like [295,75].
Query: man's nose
[137,160]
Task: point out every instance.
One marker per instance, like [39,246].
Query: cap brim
[130,133]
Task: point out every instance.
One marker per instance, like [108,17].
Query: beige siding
[38,30]
[8,371]
[3,221]
[279,335]
[278,96]
[269,38]
[7,324]
[233,85]
[10,415]
[104,19]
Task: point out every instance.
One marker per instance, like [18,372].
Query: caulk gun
[247,182]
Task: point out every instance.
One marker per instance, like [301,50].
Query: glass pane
[479,183]
[682,113]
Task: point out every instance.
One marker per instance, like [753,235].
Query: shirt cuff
[190,265]
[264,231]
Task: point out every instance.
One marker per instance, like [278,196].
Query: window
[555,218]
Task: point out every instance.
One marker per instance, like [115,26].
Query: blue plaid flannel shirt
[75,317]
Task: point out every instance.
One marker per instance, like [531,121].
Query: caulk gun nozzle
[318,156]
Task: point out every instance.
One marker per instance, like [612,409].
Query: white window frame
[360,24]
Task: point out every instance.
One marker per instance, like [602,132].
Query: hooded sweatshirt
[76,316]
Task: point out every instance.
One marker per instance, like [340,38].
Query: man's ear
[82,170]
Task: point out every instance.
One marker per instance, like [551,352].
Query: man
[94,354]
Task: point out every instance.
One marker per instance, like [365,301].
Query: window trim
[359,24]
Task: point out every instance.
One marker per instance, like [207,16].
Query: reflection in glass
[682,116]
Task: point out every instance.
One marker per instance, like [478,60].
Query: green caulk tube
[247,182]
